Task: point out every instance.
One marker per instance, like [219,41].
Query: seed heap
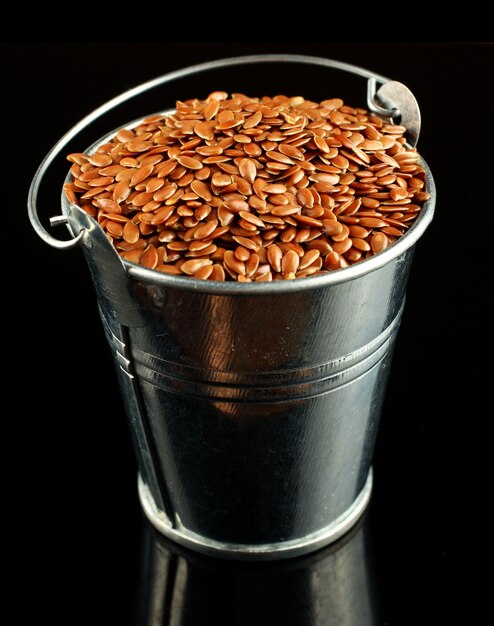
[252,189]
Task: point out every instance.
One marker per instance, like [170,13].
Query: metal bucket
[253,407]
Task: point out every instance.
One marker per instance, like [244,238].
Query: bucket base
[258,552]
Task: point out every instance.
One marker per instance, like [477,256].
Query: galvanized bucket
[254,408]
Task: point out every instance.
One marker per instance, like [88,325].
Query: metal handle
[166,78]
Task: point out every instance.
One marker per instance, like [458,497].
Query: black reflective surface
[335,585]
[75,547]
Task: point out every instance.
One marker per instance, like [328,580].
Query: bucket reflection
[335,586]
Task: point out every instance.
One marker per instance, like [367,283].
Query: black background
[70,478]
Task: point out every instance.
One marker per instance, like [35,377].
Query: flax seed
[285,188]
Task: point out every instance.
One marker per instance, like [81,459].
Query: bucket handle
[387,106]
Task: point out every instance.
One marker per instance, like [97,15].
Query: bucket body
[253,408]
[260,412]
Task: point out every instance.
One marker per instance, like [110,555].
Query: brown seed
[378,242]
[243,186]
[305,198]
[324,187]
[302,235]
[398,193]
[204,130]
[165,168]
[242,253]
[345,232]
[189,162]
[233,263]
[236,203]
[246,243]
[174,198]
[290,264]
[211,109]
[121,192]
[100,160]
[134,256]
[221,180]
[245,228]
[204,272]
[275,256]
[114,228]
[321,144]
[273,219]
[137,145]
[392,231]
[340,247]
[178,246]
[185,180]
[332,104]
[275,188]
[332,261]
[225,216]
[129,162]
[225,116]
[372,222]
[371,144]
[308,221]
[284,210]
[252,150]
[153,184]
[253,120]
[197,245]
[358,231]
[309,257]
[124,134]
[320,244]
[353,255]
[252,264]
[165,192]
[421,196]
[370,203]
[111,170]
[249,217]
[201,212]
[360,244]
[193,265]
[149,257]
[201,189]
[140,199]
[291,151]
[218,273]
[274,155]
[100,181]
[205,230]
[386,180]
[248,170]
[265,276]
[385,158]
[140,244]
[91,193]
[204,253]
[130,232]
[108,206]
[78,157]
[332,227]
